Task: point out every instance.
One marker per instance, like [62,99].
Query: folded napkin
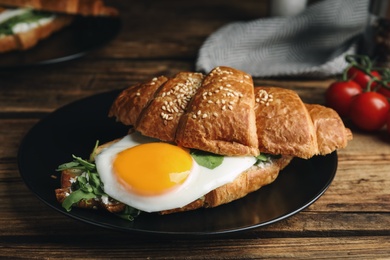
[312,43]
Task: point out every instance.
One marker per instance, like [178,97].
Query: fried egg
[151,175]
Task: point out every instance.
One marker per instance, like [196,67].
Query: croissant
[82,7]
[223,113]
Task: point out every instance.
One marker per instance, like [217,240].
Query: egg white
[200,181]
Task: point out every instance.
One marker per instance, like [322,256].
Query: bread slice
[220,117]
[130,103]
[28,39]
[330,131]
[248,181]
[284,125]
[28,33]
[81,7]
[160,119]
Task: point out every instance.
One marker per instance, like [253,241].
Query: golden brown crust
[284,125]
[161,117]
[251,180]
[279,119]
[82,7]
[129,104]
[330,130]
[220,118]
[28,39]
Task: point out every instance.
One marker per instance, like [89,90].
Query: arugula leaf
[206,159]
[88,185]
[265,157]
[30,16]
[129,213]
[75,197]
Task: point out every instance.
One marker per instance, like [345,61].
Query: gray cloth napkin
[312,43]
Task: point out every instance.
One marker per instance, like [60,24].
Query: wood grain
[350,221]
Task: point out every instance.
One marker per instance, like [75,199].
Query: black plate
[83,35]
[75,128]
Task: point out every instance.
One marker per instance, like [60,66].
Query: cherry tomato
[369,111]
[339,95]
[388,123]
[384,91]
[362,78]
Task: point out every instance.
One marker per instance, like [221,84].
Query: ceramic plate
[74,129]
[83,35]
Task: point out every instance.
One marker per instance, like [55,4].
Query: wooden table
[351,220]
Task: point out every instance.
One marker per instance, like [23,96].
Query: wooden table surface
[351,220]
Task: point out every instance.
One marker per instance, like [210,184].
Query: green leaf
[265,157]
[6,28]
[85,163]
[129,213]
[69,165]
[206,159]
[75,197]
[262,158]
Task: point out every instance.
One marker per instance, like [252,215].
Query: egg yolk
[153,168]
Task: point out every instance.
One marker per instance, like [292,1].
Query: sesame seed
[199,112]
[194,116]
[215,114]
[204,115]
[230,107]
[138,94]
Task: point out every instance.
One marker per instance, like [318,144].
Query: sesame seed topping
[138,94]
[263,97]
[177,97]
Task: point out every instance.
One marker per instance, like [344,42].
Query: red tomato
[384,91]
[388,123]
[362,78]
[369,111]
[339,95]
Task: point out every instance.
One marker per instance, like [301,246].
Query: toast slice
[80,7]
[22,29]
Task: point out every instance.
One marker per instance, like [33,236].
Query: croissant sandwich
[201,141]
[23,23]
